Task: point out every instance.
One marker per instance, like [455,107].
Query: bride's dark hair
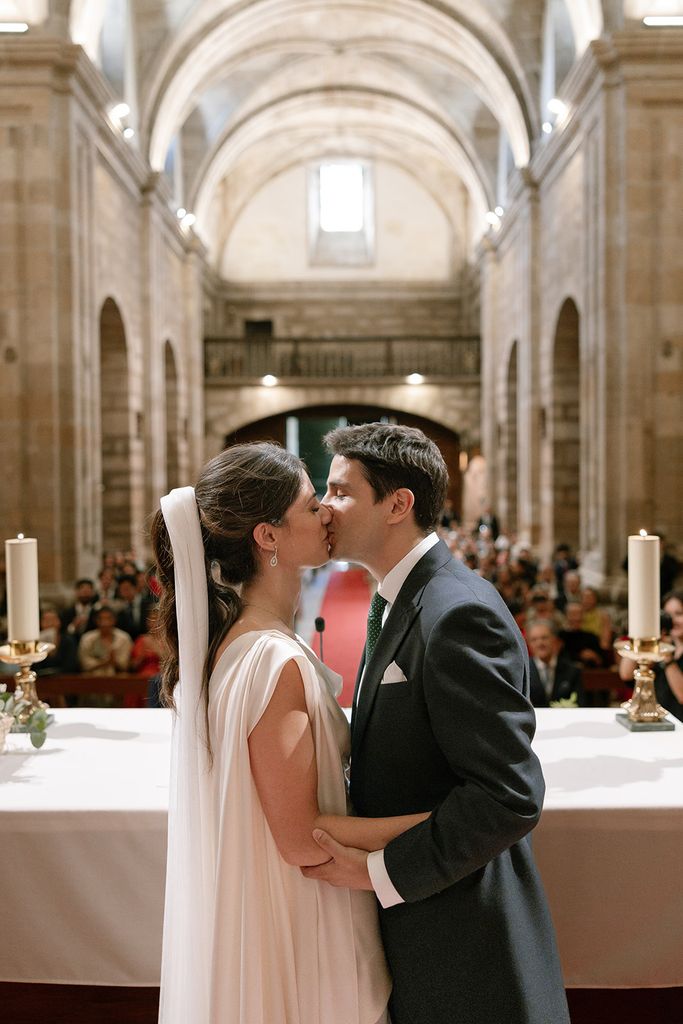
[243,486]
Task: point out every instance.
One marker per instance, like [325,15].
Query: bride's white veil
[190,873]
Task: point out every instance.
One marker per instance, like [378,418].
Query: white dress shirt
[389,589]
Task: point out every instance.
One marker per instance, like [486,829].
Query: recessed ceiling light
[556,106]
[415,378]
[269,381]
[119,110]
[664,20]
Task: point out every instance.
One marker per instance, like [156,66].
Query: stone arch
[192,59]
[229,409]
[510,445]
[587,22]
[115,430]
[392,118]
[447,439]
[173,426]
[566,427]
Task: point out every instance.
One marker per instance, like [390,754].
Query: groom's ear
[401,505]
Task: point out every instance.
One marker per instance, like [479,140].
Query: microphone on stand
[320,629]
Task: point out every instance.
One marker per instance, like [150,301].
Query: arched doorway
[274,428]
[172,418]
[510,459]
[115,431]
[566,437]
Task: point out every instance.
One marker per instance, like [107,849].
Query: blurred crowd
[108,626]
[569,627]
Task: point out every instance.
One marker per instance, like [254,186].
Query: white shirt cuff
[381,883]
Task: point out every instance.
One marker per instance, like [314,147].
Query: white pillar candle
[643,586]
[21,557]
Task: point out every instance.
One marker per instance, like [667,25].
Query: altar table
[83,835]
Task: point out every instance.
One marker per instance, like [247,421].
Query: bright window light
[556,106]
[341,197]
[119,111]
[664,20]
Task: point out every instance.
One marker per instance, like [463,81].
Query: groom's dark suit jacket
[473,943]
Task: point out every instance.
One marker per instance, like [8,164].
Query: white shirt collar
[393,581]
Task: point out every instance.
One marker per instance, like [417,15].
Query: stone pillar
[42,167]
[644,287]
[489,428]
[192,452]
[528,413]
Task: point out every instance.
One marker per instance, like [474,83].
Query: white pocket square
[393,674]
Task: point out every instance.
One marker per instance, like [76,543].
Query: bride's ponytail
[168,623]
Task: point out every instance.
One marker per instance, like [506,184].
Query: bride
[258,756]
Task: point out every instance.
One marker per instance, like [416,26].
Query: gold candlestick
[642,713]
[26,653]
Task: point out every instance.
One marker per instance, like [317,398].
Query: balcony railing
[228,361]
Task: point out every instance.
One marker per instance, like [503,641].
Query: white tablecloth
[83,832]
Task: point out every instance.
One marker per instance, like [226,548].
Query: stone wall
[96,277]
[595,226]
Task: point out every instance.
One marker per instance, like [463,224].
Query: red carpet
[345,610]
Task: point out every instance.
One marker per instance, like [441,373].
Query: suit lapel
[395,628]
[401,617]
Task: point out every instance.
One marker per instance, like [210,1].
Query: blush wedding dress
[247,939]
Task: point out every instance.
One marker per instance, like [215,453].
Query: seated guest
[580,645]
[104,651]
[596,620]
[570,590]
[541,607]
[669,673]
[563,562]
[64,658]
[146,653]
[106,591]
[553,676]
[546,578]
[145,660]
[133,608]
[76,618]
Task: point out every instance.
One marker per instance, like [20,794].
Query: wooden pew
[53,689]
[602,681]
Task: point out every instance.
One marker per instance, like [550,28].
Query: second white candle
[643,587]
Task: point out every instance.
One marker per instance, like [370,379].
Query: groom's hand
[347,867]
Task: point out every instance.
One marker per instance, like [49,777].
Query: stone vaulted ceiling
[239,90]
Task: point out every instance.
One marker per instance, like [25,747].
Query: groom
[441,721]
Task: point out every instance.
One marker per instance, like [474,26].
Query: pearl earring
[273,560]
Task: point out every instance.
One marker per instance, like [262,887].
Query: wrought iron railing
[301,359]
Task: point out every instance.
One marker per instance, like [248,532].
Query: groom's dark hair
[393,456]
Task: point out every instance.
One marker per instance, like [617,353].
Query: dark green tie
[377,606]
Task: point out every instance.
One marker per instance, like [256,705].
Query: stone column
[489,439]
[44,190]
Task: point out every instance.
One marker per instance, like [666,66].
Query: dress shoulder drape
[284,949]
